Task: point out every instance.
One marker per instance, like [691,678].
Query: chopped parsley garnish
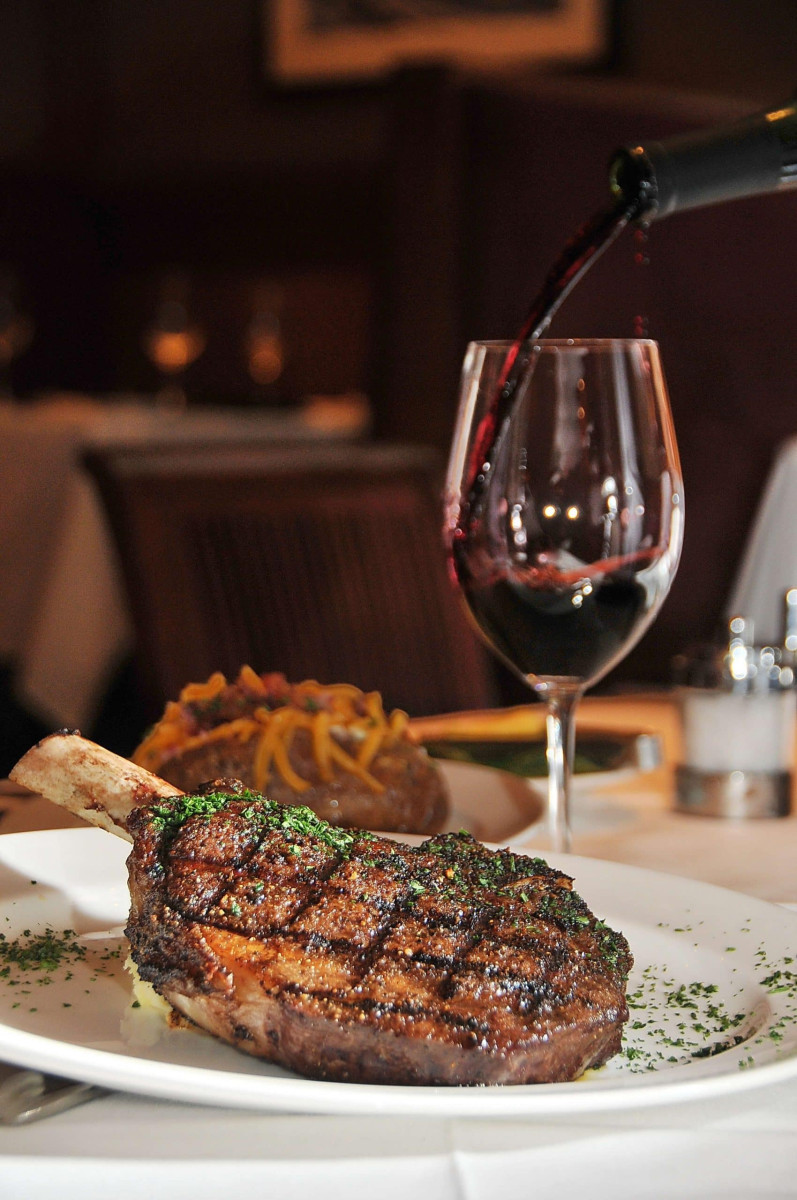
[38,955]
[171,814]
[565,908]
[304,822]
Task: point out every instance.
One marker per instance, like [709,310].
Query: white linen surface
[124,1148]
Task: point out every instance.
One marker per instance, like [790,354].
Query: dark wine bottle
[745,158]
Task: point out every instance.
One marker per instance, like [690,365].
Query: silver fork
[27,1096]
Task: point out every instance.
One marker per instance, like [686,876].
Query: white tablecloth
[735,1147]
[63,617]
[126,1149]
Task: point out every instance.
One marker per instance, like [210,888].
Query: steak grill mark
[374,909]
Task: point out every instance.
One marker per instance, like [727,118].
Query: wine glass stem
[561,731]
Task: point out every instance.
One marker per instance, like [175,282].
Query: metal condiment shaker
[738,727]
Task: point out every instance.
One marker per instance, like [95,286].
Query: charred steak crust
[342,955]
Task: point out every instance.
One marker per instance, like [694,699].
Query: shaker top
[739,665]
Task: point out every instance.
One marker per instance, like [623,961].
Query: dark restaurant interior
[150,156]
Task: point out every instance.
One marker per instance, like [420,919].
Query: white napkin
[769,565]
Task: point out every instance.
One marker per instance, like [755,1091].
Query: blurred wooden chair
[320,562]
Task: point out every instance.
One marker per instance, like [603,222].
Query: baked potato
[332,748]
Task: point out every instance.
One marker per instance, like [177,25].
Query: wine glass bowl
[564,533]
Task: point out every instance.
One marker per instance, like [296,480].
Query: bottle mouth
[633,183]
[695,169]
[784,123]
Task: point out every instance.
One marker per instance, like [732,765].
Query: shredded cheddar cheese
[194,692]
[272,711]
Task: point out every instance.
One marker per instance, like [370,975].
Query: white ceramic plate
[492,805]
[711,967]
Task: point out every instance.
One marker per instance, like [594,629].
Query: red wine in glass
[565,537]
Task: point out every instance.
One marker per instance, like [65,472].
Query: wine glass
[173,341]
[564,524]
[264,342]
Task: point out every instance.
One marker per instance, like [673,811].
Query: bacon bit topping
[270,709]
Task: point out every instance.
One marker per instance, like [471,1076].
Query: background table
[63,617]
[740,1146]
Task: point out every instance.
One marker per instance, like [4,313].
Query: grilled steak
[343,955]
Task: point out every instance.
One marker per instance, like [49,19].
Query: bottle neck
[748,158]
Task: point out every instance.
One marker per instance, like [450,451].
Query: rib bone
[89,781]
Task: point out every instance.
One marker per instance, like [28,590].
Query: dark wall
[728,47]
[136,139]
[140,140]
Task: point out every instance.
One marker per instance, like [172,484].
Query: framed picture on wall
[309,41]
